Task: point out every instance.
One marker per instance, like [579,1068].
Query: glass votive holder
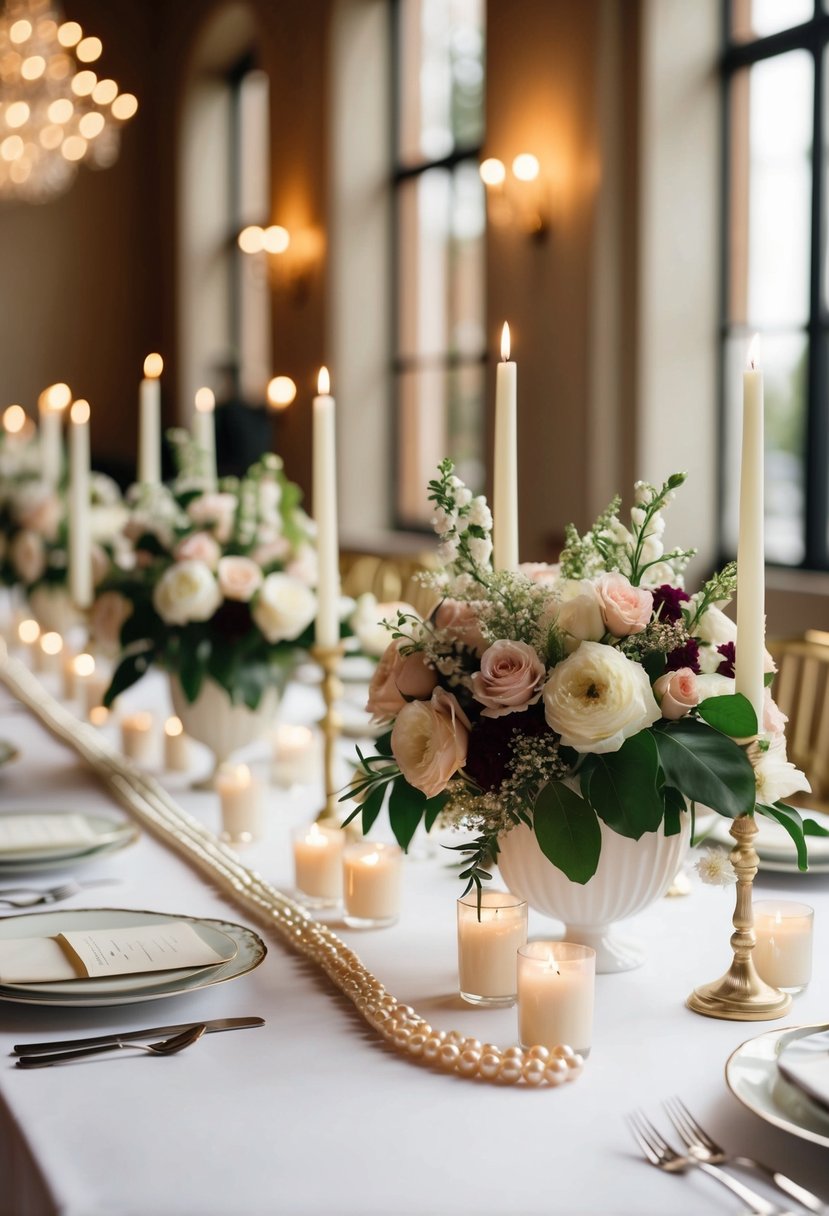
[138,737]
[296,755]
[176,746]
[372,878]
[488,946]
[783,953]
[240,795]
[556,984]
[318,864]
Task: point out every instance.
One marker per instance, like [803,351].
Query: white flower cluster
[463,522]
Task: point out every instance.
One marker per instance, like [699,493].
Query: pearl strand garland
[402,1028]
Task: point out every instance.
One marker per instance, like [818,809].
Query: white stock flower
[447,552]
[652,549]
[479,514]
[659,574]
[775,775]
[597,698]
[714,867]
[480,548]
[187,591]
[284,607]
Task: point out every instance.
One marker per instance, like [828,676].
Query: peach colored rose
[459,620]
[625,609]
[239,578]
[37,508]
[216,511]
[272,551]
[541,572]
[198,547]
[109,612]
[677,693]
[509,680]
[28,556]
[396,678]
[429,741]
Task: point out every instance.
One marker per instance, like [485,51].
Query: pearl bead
[533,1071]
[454,1036]
[539,1052]
[555,1071]
[472,1045]
[448,1055]
[417,1042]
[563,1051]
[575,1062]
[510,1071]
[431,1049]
[469,1062]
[490,1064]
[513,1053]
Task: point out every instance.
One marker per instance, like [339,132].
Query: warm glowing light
[205,400]
[505,343]
[323,382]
[83,665]
[51,643]
[99,715]
[74,147]
[33,67]
[84,83]
[316,838]
[753,356]
[79,413]
[70,33]
[11,147]
[20,31]
[492,171]
[281,392]
[51,137]
[91,125]
[233,776]
[153,366]
[370,859]
[525,167]
[14,419]
[251,239]
[17,114]
[89,49]
[173,727]
[124,106]
[105,92]
[142,720]
[28,632]
[275,239]
[61,110]
[56,396]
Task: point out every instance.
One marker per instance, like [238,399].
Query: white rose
[715,628]
[239,578]
[186,591]
[597,698]
[714,685]
[579,612]
[775,775]
[283,607]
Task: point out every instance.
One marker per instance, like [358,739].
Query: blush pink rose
[509,680]
[429,741]
[625,609]
[216,511]
[239,578]
[458,619]
[398,678]
[774,720]
[198,547]
[109,612]
[541,572]
[677,693]
[269,552]
[100,564]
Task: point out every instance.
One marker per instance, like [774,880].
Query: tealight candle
[51,646]
[556,982]
[28,633]
[68,671]
[488,946]
[90,684]
[241,799]
[371,884]
[99,715]
[295,755]
[783,953]
[318,864]
[176,747]
[137,736]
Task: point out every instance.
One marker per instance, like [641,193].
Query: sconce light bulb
[492,171]
[275,239]
[525,167]
[281,392]
[251,239]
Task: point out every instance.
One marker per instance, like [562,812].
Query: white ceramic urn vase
[214,720]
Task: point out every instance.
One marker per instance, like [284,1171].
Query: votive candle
[137,736]
[556,982]
[372,875]
[28,634]
[318,863]
[295,755]
[51,646]
[488,946]
[176,746]
[783,953]
[240,795]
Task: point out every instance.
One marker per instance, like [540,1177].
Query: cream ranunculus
[284,606]
[509,680]
[186,591]
[597,698]
[239,578]
[429,741]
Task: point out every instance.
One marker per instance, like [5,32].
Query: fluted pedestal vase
[631,875]
[52,608]
[214,720]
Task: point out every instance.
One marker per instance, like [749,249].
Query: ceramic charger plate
[249,952]
[110,835]
[753,1077]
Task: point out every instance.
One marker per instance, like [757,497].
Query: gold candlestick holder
[741,995]
[329,659]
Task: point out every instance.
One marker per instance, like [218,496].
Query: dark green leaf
[193,668]
[622,787]
[733,715]
[654,664]
[675,808]
[383,744]
[811,828]
[372,807]
[789,819]
[568,832]
[433,808]
[706,766]
[406,806]
[128,672]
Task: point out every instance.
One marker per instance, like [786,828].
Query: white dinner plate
[753,1077]
[129,989]
[110,834]
[775,847]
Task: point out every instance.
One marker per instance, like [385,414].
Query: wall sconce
[290,258]
[519,198]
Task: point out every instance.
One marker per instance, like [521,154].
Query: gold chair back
[801,689]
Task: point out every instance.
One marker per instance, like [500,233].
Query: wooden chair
[801,689]
[389,578]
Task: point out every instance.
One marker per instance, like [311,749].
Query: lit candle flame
[753,356]
[28,631]
[55,397]
[371,859]
[205,400]
[153,366]
[323,383]
[79,413]
[51,643]
[14,419]
[173,727]
[84,665]
[505,346]
[316,837]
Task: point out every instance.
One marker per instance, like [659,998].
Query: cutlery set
[171,1040]
[702,1152]
[33,897]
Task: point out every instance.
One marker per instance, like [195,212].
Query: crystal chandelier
[55,112]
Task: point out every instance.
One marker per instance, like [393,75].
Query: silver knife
[36,1049]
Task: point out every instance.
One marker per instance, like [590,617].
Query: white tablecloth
[312,1113]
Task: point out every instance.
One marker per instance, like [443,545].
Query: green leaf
[383,744]
[193,668]
[622,787]
[568,831]
[433,808]
[732,715]
[811,828]
[654,664]
[789,819]
[675,808]
[128,672]
[406,806]
[372,807]
[706,766]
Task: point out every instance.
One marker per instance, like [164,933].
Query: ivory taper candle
[51,404]
[149,421]
[751,618]
[325,514]
[204,431]
[505,476]
[80,527]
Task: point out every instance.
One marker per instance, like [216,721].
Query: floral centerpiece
[220,586]
[563,698]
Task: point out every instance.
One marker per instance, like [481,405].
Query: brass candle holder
[329,659]
[741,995]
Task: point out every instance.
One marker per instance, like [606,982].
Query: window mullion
[817,431]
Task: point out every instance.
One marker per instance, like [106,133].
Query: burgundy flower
[667,601]
[726,667]
[232,621]
[685,656]
[490,744]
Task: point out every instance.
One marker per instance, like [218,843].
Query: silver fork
[701,1145]
[31,897]
[659,1153]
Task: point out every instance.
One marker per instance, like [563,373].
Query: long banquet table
[313,1113]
